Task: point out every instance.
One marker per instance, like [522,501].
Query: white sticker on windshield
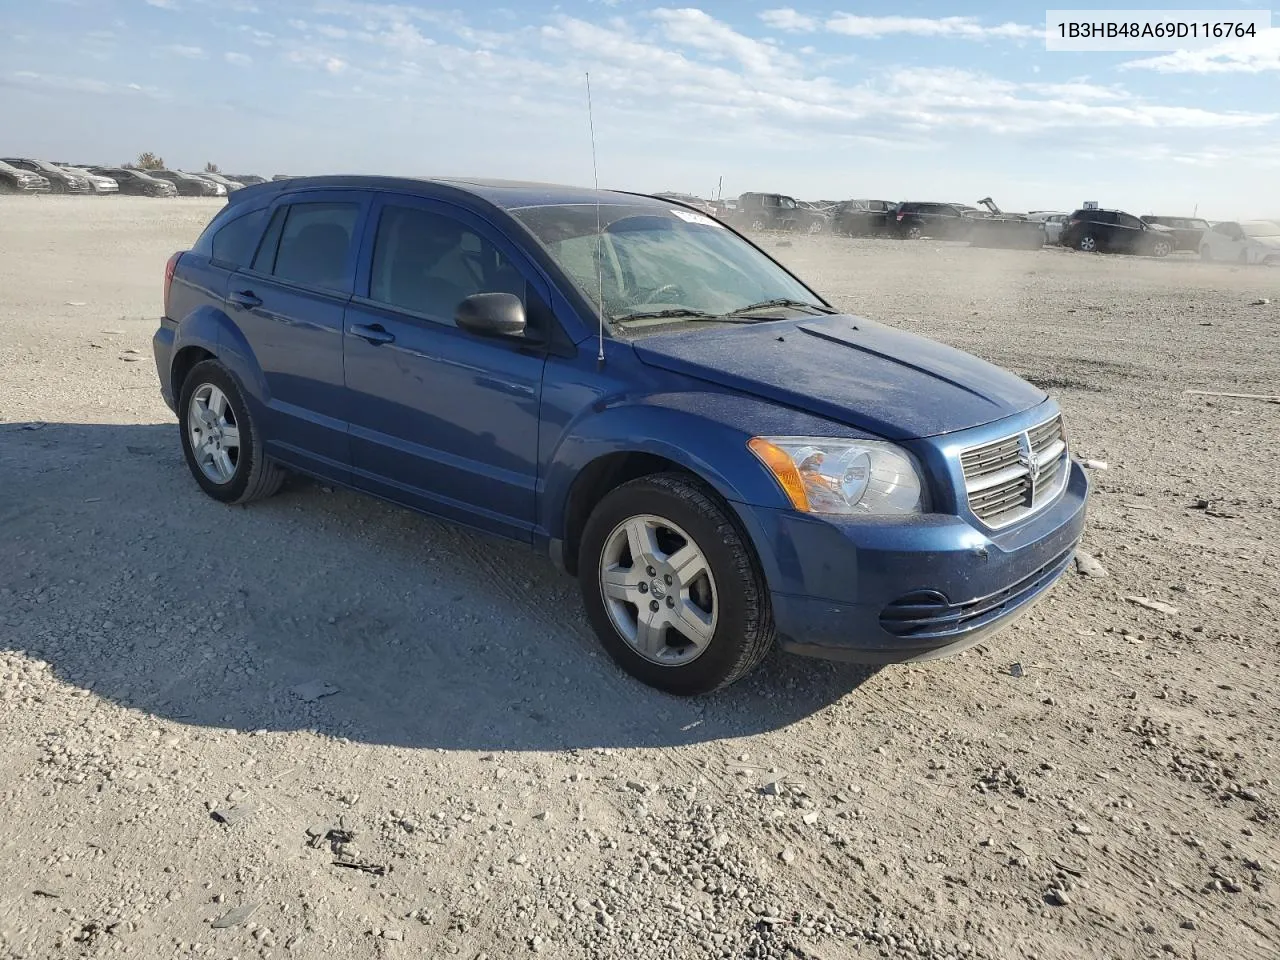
[690,217]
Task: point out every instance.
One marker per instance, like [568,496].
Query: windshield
[1261,228]
[655,259]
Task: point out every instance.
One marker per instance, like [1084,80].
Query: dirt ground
[168,765]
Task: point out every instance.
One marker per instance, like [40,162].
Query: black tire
[255,477]
[744,631]
[1161,248]
[914,232]
[1087,243]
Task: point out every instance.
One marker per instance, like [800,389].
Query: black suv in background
[1114,231]
[942,221]
[863,218]
[776,211]
[1186,230]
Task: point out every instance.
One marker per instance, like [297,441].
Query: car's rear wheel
[1087,243]
[1161,248]
[219,438]
[672,587]
[914,232]
[815,226]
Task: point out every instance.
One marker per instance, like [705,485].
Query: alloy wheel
[1088,244]
[214,433]
[658,590]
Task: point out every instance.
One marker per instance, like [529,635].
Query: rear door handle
[245,299]
[375,333]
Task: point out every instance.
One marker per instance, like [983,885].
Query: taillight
[901,215]
[168,277]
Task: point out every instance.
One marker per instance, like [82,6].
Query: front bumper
[894,591]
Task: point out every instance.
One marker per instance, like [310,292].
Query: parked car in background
[283,176]
[16,180]
[137,183]
[1242,241]
[229,185]
[746,466]
[863,218]
[1053,222]
[1114,231]
[186,184]
[688,199]
[777,211]
[248,179]
[942,221]
[220,189]
[60,181]
[99,183]
[1186,230]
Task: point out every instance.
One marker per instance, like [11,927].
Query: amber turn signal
[783,469]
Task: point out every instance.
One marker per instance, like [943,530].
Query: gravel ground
[324,727]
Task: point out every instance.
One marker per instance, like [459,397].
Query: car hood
[892,383]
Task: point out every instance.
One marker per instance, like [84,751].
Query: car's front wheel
[219,438]
[672,586]
[1161,248]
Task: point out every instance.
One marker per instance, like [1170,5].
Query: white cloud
[716,40]
[187,52]
[238,59]
[963,28]
[162,4]
[787,19]
[335,64]
[47,81]
[1259,55]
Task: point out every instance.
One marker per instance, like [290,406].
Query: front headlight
[868,478]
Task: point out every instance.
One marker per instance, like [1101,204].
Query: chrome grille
[1013,477]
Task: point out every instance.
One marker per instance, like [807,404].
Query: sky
[822,100]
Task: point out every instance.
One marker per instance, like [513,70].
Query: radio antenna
[599,258]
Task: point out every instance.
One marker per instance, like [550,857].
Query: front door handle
[375,333]
[245,299]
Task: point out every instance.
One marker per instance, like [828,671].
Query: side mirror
[491,315]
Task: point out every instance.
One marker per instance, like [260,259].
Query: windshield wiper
[780,302]
[681,313]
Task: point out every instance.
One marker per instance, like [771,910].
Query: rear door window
[309,244]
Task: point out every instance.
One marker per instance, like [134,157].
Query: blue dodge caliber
[721,457]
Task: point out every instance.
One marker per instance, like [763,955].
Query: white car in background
[97,182]
[1242,241]
[1053,223]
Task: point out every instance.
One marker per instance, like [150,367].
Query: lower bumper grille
[929,614]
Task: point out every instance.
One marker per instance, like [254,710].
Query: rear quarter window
[234,242]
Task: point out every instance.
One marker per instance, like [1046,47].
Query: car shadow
[323,610]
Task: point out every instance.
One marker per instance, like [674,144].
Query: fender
[705,432]
[211,329]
